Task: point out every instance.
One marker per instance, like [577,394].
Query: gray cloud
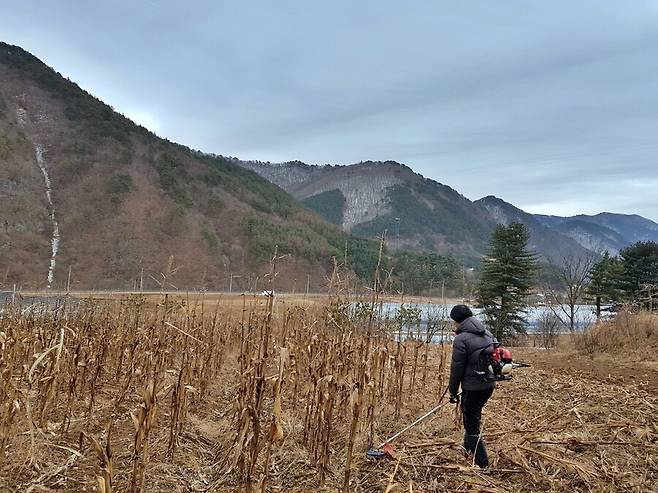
[550,105]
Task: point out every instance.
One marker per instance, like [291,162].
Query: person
[471,338]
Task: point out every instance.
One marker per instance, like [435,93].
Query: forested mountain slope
[84,188]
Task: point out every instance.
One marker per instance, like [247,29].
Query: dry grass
[137,395]
[635,332]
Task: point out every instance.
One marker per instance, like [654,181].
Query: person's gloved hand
[454,399]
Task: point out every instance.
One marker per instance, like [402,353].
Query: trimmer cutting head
[386,450]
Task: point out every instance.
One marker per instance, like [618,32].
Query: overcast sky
[551,105]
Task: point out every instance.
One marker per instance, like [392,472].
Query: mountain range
[371,197]
[91,199]
[604,231]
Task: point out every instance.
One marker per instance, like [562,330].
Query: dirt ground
[602,367]
[568,423]
[588,423]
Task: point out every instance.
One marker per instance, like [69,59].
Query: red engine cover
[503,355]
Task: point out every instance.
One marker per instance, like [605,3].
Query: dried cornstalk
[104,455]
[144,419]
[356,401]
[276,426]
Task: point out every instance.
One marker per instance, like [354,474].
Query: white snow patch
[21,116]
[54,242]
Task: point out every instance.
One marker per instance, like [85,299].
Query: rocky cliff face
[285,175]
[365,195]
[591,240]
[364,185]
[593,236]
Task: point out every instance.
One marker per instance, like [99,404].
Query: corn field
[173,394]
[106,386]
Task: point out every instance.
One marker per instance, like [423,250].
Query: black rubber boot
[469,443]
[475,444]
[481,457]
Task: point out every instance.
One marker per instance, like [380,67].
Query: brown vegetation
[628,332]
[170,395]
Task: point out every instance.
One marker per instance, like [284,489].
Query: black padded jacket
[471,337]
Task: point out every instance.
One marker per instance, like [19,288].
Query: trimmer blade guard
[390,451]
[386,451]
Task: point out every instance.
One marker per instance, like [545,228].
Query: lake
[585,316]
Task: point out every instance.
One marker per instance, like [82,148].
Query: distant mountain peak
[605,231]
[552,245]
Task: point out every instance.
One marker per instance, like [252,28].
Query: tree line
[509,275]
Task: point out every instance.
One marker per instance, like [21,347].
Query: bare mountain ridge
[605,231]
[598,233]
[552,244]
[379,196]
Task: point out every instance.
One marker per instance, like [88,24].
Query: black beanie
[459,313]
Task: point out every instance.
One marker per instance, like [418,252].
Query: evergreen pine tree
[508,273]
[640,280]
[605,281]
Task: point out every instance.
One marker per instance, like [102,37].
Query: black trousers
[472,402]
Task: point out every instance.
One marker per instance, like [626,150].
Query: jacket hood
[472,325]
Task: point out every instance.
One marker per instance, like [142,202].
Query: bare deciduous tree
[549,330]
[574,276]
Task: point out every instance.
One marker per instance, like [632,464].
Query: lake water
[36,303]
[585,316]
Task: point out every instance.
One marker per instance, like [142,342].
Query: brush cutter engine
[494,363]
[503,359]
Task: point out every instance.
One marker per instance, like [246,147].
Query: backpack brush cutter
[496,366]
[495,363]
